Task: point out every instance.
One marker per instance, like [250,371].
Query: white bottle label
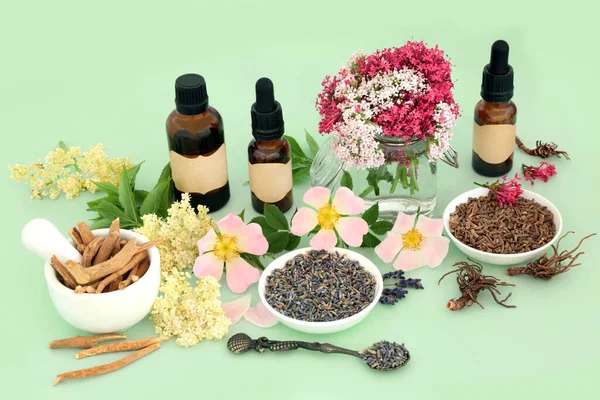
[199,174]
[270,182]
[494,143]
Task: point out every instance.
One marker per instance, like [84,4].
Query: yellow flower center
[412,239]
[226,248]
[328,216]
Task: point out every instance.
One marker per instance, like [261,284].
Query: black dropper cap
[497,84]
[190,94]
[266,113]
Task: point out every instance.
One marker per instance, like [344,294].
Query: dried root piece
[120,346]
[77,240]
[135,261]
[83,276]
[151,243]
[548,267]
[85,342]
[143,268]
[542,150]
[86,234]
[132,277]
[106,368]
[91,250]
[68,279]
[107,248]
[471,282]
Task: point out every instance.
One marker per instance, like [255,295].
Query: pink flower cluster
[505,192]
[404,92]
[543,172]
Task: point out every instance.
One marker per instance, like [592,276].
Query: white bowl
[501,259]
[322,327]
[109,312]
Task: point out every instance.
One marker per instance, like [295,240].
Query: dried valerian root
[90,251]
[106,368]
[120,347]
[67,279]
[86,234]
[548,267]
[471,282]
[84,342]
[135,261]
[542,150]
[114,235]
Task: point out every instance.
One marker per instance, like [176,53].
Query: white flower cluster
[446,120]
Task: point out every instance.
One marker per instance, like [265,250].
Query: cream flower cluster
[69,171]
[192,314]
[446,119]
[182,229]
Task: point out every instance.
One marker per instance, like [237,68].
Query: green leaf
[347,180]
[246,183]
[140,195]
[372,214]
[278,241]
[111,211]
[293,242]
[157,201]
[108,188]
[101,223]
[377,175]
[262,221]
[241,215]
[126,197]
[275,218]
[370,241]
[312,143]
[108,199]
[295,147]
[300,173]
[382,227]
[253,260]
[132,173]
[166,173]
[63,146]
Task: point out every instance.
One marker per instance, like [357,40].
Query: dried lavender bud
[399,274]
[410,283]
[385,355]
[320,286]
[483,224]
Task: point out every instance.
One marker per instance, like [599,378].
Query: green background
[88,72]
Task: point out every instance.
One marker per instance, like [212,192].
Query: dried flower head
[543,172]
[193,314]
[182,229]
[69,171]
[505,192]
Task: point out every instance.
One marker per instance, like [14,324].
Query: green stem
[413,180]
[404,177]
[399,167]
[365,192]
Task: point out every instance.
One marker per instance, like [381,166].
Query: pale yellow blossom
[192,314]
[182,229]
[69,172]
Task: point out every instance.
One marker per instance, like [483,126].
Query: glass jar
[406,182]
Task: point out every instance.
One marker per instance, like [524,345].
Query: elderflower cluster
[69,171]
[182,229]
[193,314]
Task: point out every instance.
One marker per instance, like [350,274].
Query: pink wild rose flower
[414,242]
[225,248]
[331,216]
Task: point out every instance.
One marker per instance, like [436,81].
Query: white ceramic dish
[107,312]
[501,259]
[322,327]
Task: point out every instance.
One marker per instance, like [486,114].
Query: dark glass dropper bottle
[197,146]
[269,153]
[494,127]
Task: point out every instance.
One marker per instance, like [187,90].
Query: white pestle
[41,237]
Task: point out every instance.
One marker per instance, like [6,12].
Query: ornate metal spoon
[382,355]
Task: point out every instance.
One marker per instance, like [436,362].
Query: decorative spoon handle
[327,348]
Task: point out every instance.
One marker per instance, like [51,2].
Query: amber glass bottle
[197,146]
[494,124]
[269,153]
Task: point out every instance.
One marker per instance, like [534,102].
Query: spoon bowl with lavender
[381,356]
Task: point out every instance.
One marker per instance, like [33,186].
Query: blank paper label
[199,174]
[494,143]
[270,182]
